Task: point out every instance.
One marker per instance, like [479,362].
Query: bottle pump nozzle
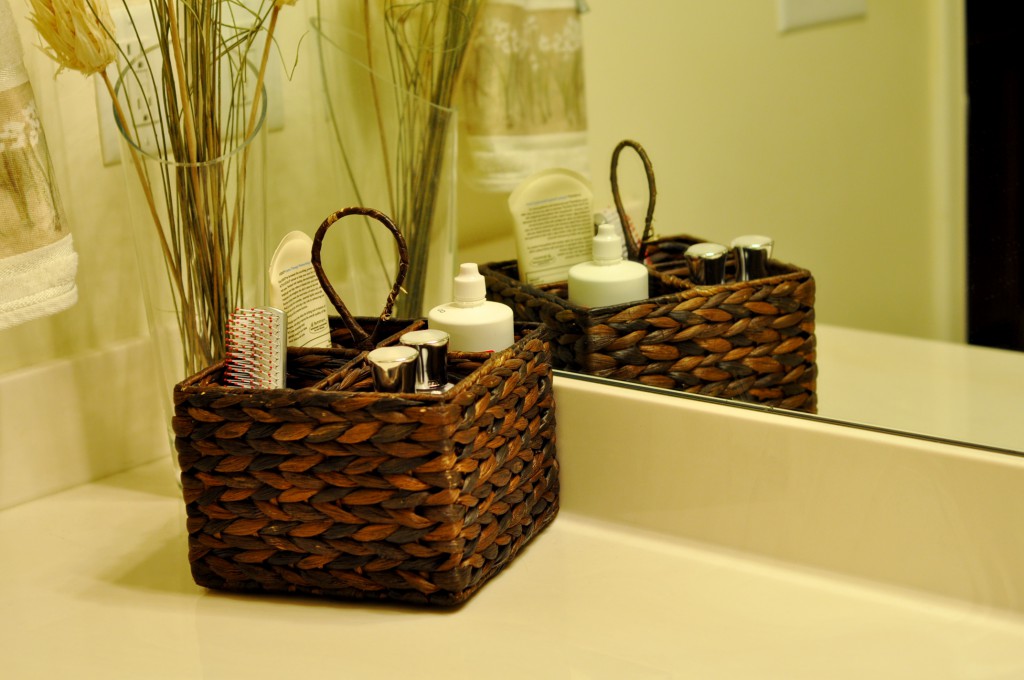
[607,244]
[469,284]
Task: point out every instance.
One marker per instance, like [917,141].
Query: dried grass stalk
[199,41]
[424,42]
[78,33]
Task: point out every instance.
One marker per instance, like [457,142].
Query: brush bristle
[255,348]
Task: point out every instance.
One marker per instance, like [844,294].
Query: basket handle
[361,338]
[636,250]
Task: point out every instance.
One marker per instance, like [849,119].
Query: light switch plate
[794,14]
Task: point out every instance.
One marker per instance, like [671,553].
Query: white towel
[38,263]
[523,104]
[38,282]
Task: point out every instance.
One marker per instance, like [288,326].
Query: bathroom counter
[96,585]
[947,390]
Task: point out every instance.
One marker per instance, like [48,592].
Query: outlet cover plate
[142,29]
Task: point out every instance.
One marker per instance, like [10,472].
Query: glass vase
[393,151]
[199,229]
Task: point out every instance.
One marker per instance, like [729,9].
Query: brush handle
[360,337]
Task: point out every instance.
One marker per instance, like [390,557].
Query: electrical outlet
[136,37]
[129,38]
[794,14]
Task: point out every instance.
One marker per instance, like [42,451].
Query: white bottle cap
[469,284]
[607,244]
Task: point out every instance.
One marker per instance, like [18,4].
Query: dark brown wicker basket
[328,488]
[749,341]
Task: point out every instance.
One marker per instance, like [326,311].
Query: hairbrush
[256,345]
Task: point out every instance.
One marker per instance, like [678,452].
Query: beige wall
[843,141]
[826,138]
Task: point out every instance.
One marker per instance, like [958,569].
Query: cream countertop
[699,541]
[953,391]
[96,585]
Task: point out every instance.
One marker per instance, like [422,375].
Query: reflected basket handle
[636,250]
[359,336]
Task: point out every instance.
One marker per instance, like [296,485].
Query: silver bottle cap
[431,346]
[393,368]
[752,254]
[707,263]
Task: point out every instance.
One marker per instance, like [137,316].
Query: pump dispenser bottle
[608,279]
[473,323]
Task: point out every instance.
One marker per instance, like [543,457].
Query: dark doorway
[995,230]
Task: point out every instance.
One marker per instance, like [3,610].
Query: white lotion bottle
[294,287]
[553,213]
[607,279]
[473,323]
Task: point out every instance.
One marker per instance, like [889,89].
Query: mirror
[846,143]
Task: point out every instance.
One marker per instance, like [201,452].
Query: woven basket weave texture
[326,487]
[750,341]
[360,495]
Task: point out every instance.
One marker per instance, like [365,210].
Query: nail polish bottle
[393,369]
[707,263]
[752,254]
[431,347]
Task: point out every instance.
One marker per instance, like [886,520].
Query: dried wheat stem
[179,67]
[190,138]
[251,126]
[147,190]
[257,98]
[377,108]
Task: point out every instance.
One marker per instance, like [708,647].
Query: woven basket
[750,341]
[328,488]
